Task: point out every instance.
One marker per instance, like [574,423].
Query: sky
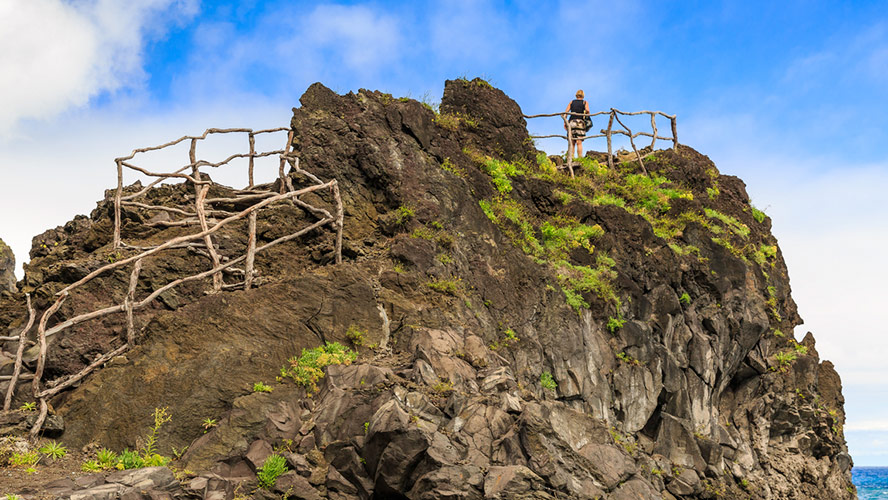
[789,96]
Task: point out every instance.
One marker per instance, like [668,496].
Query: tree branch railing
[255,197]
[613,115]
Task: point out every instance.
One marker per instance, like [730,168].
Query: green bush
[308,368]
[274,467]
[547,381]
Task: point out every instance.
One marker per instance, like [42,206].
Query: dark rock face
[673,391]
[7,268]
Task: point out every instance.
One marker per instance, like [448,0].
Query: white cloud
[471,32]
[56,55]
[361,38]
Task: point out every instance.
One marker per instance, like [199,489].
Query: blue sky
[787,95]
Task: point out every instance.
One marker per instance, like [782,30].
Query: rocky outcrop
[7,268]
[522,334]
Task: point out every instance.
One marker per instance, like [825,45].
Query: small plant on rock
[547,381]
[443,387]
[274,467]
[685,298]
[308,368]
[614,324]
[355,335]
[784,360]
[405,213]
[261,387]
[209,423]
[29,406]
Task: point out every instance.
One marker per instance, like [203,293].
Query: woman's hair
[580,94]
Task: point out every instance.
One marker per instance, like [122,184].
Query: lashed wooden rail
[609,132]
[201,242]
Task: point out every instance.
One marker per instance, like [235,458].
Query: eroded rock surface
[647,361]
[7,268]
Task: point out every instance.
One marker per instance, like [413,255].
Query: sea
[871,482]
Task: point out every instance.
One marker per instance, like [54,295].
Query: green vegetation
[629,360]
[355,335]
[209,423]
[24,458]
[452,168]
[547,381]
[447,286]
[758,215]
[765,254]
[29,406]
[405,213]
[501,171]
[443,387]
[731,223]
[685,298]
[614,324]
[452,121]
[626,441]
[274,467]
[54,450]
[784,360]
[509,337]
[261,387]
[146,456]
[772,302]
[308,368]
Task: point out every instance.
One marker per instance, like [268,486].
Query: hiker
[576,123]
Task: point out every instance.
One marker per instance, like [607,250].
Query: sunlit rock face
[625,334]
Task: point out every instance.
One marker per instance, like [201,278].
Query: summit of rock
[521,333]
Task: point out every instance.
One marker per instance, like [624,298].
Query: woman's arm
[587,107]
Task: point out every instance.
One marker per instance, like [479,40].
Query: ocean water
[871,482]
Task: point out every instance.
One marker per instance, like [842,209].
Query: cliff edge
[519,333]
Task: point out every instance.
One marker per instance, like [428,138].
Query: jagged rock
[458,313]
[7,268]
[514,481]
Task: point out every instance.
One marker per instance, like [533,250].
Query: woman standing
[576,124]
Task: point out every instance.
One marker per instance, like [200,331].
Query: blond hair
[580,94]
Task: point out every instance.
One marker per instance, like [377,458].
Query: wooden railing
[207,215]
[609,132]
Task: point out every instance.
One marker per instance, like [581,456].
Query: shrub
[355,335]
[448,286]
[614,324]
[274,467]
[405,213]
[308,368]
[547,381]
[758,215]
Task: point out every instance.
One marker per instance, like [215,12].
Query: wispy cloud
[56,55]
